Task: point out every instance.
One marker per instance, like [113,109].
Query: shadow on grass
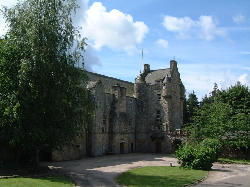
[13,173]
[55,181]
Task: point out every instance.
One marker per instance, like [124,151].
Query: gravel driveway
[101,171]
[227,175]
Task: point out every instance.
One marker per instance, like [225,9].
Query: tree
[210,121]
[225,118]
[43,96]
[192,104]
[212,97]
[238,98]
[185,111]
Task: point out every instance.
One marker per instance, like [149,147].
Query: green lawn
[233,161]
[51,181]
[160,176]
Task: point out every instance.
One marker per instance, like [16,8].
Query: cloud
[90,58]
[205,27]
[113,29]
[162,43]
[238,18]
[3,25]
[201,77]
[179,25]
[80,17]
[208,28]
[243,79]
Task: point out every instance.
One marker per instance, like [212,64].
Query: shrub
[185,155]
[214,144]
[199,156]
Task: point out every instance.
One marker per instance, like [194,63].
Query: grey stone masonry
[144,116]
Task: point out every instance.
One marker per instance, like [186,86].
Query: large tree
[225,117]
[43,95]
[192,105]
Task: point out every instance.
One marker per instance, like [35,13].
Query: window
[158,115]
[158,84]
[159,97]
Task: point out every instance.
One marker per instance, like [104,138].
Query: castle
[145,116]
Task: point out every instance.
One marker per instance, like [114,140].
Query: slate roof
[157,75]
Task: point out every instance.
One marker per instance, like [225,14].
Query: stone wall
[109,82]
[129,117]
[159,108]
[113,129]
[73,151]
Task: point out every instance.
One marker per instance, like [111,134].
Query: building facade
[145,116]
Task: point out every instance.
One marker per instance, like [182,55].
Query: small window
[159,97]
[158,84]
[129,122]
[103,130]
[158,115]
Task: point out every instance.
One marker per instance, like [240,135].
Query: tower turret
[146,69]
[173,64]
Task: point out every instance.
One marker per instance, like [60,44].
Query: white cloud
[208,28]
[201,77]
[239,18]
[162,43]
[80,17]
[113,29]
[3,25]
[179,25]
[90,58]
[205,27]
[243,79]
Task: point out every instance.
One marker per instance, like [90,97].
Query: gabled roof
[155,75]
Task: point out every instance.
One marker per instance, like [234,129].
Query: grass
[233,161]
[160,176]
[49,181]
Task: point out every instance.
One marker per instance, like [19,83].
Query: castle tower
[166,103]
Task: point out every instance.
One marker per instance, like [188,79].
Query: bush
[185,155]
[214,144]
[199,156]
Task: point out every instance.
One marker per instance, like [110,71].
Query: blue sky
[210,39]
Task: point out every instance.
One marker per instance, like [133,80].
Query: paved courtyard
[101,171]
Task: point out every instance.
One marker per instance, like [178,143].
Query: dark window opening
[132,147]
[158,115]
[122,148]
[158,147]
[159,97]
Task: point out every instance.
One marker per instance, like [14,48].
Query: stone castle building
[145,116]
